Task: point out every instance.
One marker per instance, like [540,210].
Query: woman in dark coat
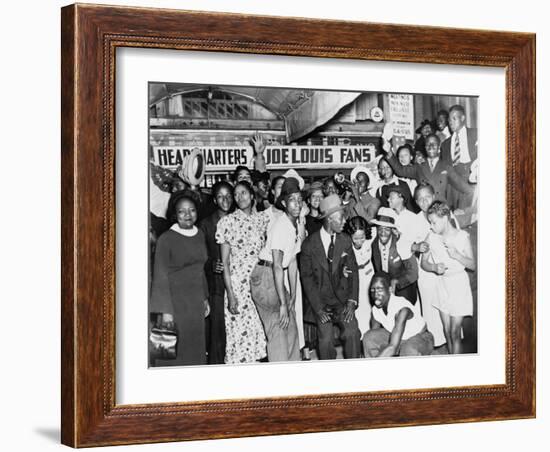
[180,291]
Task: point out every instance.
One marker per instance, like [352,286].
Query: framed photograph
[281,225]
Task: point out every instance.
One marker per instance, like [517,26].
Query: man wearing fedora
[330,281]
[402,271]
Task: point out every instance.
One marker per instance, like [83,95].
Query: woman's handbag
[163,342]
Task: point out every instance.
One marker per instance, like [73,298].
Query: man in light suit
[439,173]
[460,150]
[402,272]
[330,281]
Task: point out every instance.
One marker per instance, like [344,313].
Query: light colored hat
[385,217]
[193,168]
[329,205]
[295,175]
[362,169]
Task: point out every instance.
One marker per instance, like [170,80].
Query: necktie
[385,258]
[456,156]
[330,253]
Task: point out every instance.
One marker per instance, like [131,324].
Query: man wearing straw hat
[330,281]
[403,272]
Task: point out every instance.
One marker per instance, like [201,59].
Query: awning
[302,110]
[318,109]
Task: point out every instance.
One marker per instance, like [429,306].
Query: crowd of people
[274,269]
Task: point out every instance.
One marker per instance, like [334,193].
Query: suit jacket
[471,134]
[456,198]
[440,178]
[404,270]
[321,287]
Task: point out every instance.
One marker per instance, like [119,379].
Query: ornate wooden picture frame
[90,37]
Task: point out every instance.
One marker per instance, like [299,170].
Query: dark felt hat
[400,190]
[426,122]
[290,186]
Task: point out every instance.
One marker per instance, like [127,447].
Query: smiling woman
[180,291]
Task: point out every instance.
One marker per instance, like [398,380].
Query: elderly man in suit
[440,174]
[330,281]
[460,150]
[403,272]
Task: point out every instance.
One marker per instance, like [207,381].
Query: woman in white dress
[429,284]
[449,255]
[361,238]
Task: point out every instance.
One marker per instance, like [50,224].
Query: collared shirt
[413,326]
[411,231]
[385,254]
[192,232]
[325,238]
[464,151]
[282,236]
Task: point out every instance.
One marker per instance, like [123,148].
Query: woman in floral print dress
[241,236]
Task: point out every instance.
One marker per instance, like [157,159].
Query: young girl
[450,253]
[361,238]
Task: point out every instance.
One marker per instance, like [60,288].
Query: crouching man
[397,327]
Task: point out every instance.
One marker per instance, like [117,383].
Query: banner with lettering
[226,158]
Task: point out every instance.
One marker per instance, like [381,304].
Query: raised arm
[259,145]
[409,171]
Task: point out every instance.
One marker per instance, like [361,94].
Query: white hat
[295,175]
[193,168]
[362,169]
[385,217]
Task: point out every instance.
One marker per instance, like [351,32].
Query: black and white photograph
[291,224]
